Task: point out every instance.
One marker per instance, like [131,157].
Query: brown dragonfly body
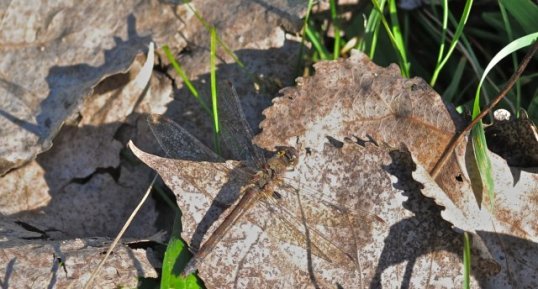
[261,185]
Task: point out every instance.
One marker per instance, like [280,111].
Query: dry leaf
[54,54]
[343,249]
[30,260]
[516,140]
[263,251]
[506,238]
[354,97]
[81,180]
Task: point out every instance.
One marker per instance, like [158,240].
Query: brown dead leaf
[516,140]
[354,97]
[29,260]
[507,237]
[54,55]
[264,251]
[80,181]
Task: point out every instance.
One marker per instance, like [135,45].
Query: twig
[456,140]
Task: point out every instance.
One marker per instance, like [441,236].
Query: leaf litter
[397,126]
[305,112]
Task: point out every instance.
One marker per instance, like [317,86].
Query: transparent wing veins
[292,223]
[177,142]
[236,132]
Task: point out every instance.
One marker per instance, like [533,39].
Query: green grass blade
[513,46]
[399,38]
[466,261]
[477,134]
[371,32]
[482,160]
[400,50]
[455,39]
[214,101]
[175,256]
[464,46]
[336,28]
[444,30]
[185,79]
[315,39]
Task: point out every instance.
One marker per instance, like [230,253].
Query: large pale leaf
[82,172]
[355,97]
[269,247]
[54,54]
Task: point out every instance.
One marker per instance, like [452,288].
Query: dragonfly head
[288,155]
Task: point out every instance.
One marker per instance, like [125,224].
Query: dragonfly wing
[312,196]
[177,142]
[295,230]
[236,132]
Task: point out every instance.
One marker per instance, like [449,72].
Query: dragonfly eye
[289,153]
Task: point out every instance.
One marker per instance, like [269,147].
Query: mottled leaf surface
[31,260]
[358,231]
[355,97]
[54,54]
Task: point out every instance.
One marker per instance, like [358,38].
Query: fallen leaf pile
[359,210]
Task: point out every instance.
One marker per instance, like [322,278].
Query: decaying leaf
[53,56]
[516,140]
[506,238]
[341,247]
[30,260]
[359,235]
[80,181]
[354,97]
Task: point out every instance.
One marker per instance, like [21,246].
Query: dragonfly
[263,176]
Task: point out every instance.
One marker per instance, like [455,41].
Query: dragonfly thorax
[284,159]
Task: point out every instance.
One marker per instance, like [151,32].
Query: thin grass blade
[455,39]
